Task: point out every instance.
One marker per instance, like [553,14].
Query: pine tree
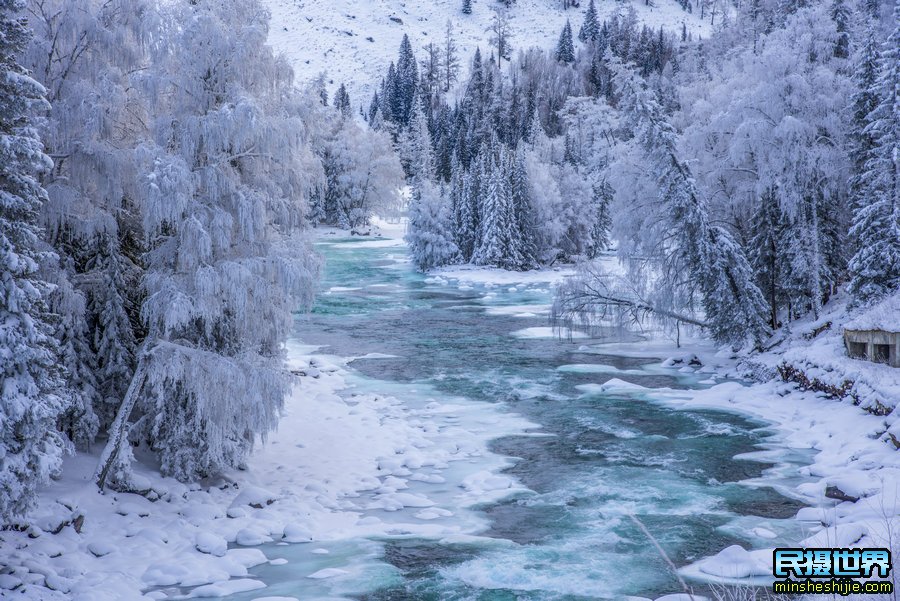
[416,149]
[467,7]
[464,190]
[390,103]
[863,104]
[565,49]
[767,252]
[525,228]
[450,60]
[590,29]
[31,448]
[719,271]
[840,14]
[114,342]
[342,101]
[875,267]
[79,422]
[407,82]
[501,33]
[492,249]
[374,108]
[600,240]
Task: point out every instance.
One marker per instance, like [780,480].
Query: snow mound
[737,562]
[881,316]
[228,587]
[255,497]
[212,544]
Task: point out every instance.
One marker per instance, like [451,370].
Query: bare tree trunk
[118,433]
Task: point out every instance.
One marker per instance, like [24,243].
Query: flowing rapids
[595,457]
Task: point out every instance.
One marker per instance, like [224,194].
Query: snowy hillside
[353,41]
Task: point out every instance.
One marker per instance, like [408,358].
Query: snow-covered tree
[466,222]
[31,447]
[364,175]
[450,65]
[430,229]
[688,259]
[525,232]
[79,422]
[774,120]
[501,34]
[565,48]
[496,239]
[415,147]
[864,101]
[89,54]
[342,101]
[114,342]
[590,29]
[840,13]
[876,223]
[467,7]
[406,85]
[223,185]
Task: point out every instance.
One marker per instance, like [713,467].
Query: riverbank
[338,454]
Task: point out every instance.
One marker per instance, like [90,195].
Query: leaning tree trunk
[118,432]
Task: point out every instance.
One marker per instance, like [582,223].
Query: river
[592,459]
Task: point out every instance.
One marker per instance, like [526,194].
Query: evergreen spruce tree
[407,82]
[342,101]
[840,14]
[114,342]
[416,150]
[467,7]
[525,226]
[716,265]
[603,194]
[492,248]
[466,218]
[31,447]
[767,251]
[875,267]
[79,422]
[565,49]
[863,104]
[374,108]
[590,29]
[390,105]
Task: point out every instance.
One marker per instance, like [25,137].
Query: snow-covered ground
[337,455]
[353,41]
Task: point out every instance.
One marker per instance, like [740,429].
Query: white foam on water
[548,332]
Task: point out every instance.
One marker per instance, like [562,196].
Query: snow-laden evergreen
[565,48]
[31,447]
[114,342]
[590,28]
[876,222]
[675,237]
[90,55]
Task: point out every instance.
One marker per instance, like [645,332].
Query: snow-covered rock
[213,544]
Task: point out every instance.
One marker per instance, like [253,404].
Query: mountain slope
[353,41]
